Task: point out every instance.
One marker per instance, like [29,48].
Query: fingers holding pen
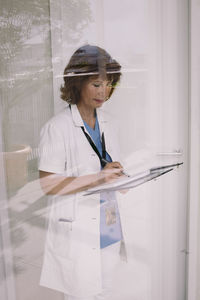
[112,171]
[120,169]
[113,165]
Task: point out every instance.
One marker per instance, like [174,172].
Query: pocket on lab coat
[59,236]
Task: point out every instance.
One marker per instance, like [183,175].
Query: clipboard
[134,180]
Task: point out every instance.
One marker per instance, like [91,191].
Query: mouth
[100,101]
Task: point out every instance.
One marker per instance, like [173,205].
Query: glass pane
[26,104]
[150,106]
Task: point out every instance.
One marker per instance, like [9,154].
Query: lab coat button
[94,218]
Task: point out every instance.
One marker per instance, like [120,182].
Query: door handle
[178,152]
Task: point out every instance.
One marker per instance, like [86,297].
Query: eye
[96,85]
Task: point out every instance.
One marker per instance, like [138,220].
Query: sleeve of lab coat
[52,150]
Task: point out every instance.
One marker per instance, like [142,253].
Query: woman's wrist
[98,179]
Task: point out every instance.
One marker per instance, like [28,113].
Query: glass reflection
[26,87]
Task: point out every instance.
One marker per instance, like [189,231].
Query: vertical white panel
[169,129]
[194,195]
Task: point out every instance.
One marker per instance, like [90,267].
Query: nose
[102,91]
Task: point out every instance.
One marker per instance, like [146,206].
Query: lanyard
[103,157]
[103,163]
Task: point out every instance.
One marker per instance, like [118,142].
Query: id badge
[110,215]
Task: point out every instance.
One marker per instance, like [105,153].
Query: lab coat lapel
[103,121]
[76,117]
[104,125]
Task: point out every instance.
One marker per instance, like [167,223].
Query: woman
[79,150]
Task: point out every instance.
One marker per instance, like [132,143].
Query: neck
[86,113]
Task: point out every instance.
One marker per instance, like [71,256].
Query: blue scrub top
[109,234]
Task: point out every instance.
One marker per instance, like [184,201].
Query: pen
[123,172]
[126,174]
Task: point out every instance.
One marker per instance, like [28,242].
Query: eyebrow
[100,81]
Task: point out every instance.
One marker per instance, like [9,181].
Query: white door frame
[194,181]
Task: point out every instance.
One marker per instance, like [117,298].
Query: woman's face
[95,92]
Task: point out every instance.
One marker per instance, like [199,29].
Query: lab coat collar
[103,121]
[76,116]
[78,120]
[104,125]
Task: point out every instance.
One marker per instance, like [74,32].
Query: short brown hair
[86,62]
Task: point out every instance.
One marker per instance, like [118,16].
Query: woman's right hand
[111,172]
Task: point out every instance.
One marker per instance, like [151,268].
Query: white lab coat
[72,262]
